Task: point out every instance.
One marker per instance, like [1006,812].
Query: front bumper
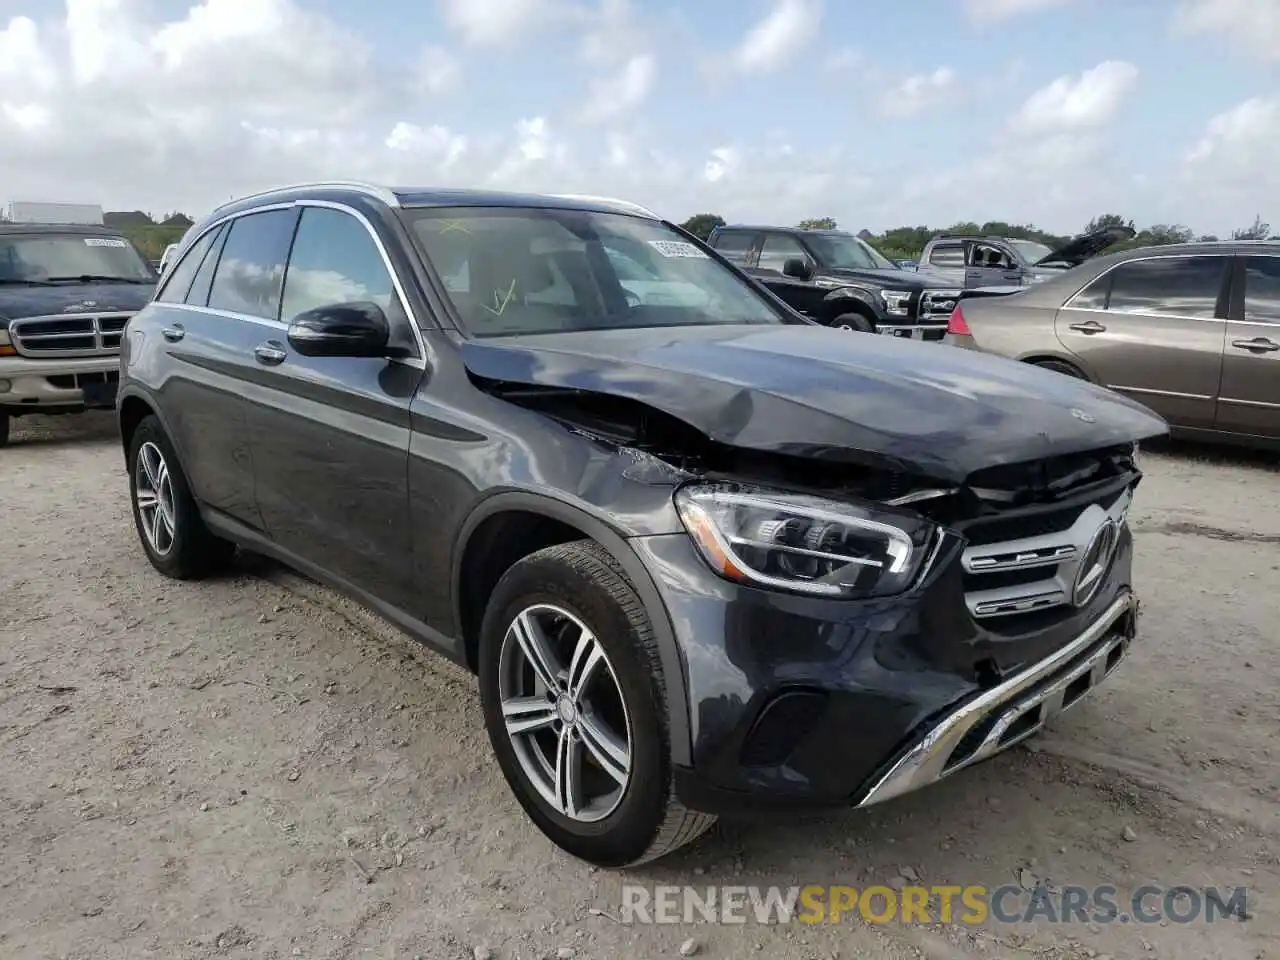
[43,386]
[805,703]
[933,332]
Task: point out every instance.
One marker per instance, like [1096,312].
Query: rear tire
[166,515]
[549,601]
[1061,366]
[853,321]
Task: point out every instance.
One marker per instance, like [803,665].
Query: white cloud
[495,22]
[1087,100]
[1233,166]
[438,70]
[916,94]
[621,92]
[775,40]
[1252,25]
[987,12]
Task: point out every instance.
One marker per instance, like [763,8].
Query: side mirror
[798,268]
[341,330]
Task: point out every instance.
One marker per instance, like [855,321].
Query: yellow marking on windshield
[451,226]
[501,300]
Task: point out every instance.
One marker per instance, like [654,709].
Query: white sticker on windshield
[678,248]
[104,242]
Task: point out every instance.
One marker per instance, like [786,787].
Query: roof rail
[625,204]
[370,189]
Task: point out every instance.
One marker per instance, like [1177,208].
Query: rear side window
[947,255]
[733,244]
[1262,289]
[1179,286]
[184,271]
[250,271]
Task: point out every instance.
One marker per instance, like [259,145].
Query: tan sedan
[1190,330]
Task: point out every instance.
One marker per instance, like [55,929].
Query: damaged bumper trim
[1012,711]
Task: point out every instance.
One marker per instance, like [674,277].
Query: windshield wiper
[16,281]
[95,278]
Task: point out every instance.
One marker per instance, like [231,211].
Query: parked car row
[687,538]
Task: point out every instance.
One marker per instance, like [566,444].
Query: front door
[802,295]
[990,265]
[1153,329]
[1250,399]
[331,434]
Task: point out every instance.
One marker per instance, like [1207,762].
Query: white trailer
[37,211]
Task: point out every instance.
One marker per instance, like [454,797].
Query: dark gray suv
[704,555]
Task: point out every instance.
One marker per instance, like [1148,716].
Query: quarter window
[1262,289]
[1179,286]
[251,267]
[778,249]
[199,295]
[183,272]
[334,260]
[947,255]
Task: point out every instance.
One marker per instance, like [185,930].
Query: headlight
[802,543]
[895,301]
[6,345]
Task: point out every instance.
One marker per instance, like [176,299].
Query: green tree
[1259,231]
[817,223]
[701,224]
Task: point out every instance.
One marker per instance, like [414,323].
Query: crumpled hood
[18,301]
[815,392]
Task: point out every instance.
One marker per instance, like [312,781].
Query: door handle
[1257,345]
[1089,327]
[175,333]
[270,353]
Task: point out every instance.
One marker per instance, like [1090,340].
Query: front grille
[78,381]
[1037,558]
[938,303]
[66,336]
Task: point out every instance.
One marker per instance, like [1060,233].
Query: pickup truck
[66,293]
[839,280]
[971,261]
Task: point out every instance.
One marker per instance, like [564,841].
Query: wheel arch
[508,526]
[1036,359]
[132,407]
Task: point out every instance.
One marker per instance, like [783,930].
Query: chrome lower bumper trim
[1002,716]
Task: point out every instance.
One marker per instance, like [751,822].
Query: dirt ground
[253,767]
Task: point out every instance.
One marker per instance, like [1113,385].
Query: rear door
[203,394]
[802,295]
[1153,328]
[331,434]
[1250,399]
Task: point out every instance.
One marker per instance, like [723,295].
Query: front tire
[575,707]
[854,321]
[168,521]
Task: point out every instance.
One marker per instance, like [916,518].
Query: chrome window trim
[1066,305]
[411,318]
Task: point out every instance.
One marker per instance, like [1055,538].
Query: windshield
[844,252]
[1030,251]
[520,271]
[66,257]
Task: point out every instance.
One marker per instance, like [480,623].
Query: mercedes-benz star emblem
[1083,415]
[1094,563]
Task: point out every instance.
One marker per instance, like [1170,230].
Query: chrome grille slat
[68,335]
[1058,555]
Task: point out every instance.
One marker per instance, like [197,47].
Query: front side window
[334,261]
[509,271]
[847,252]
[1262,289]
[1178,286]
[778,249]
[1094,296]
[53,258]
[251,267]
[1030,251]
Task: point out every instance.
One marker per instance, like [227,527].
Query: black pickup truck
[837,279]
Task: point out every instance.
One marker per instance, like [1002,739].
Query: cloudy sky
[879,114]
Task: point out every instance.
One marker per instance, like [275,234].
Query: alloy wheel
[153,493]
[564,713]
